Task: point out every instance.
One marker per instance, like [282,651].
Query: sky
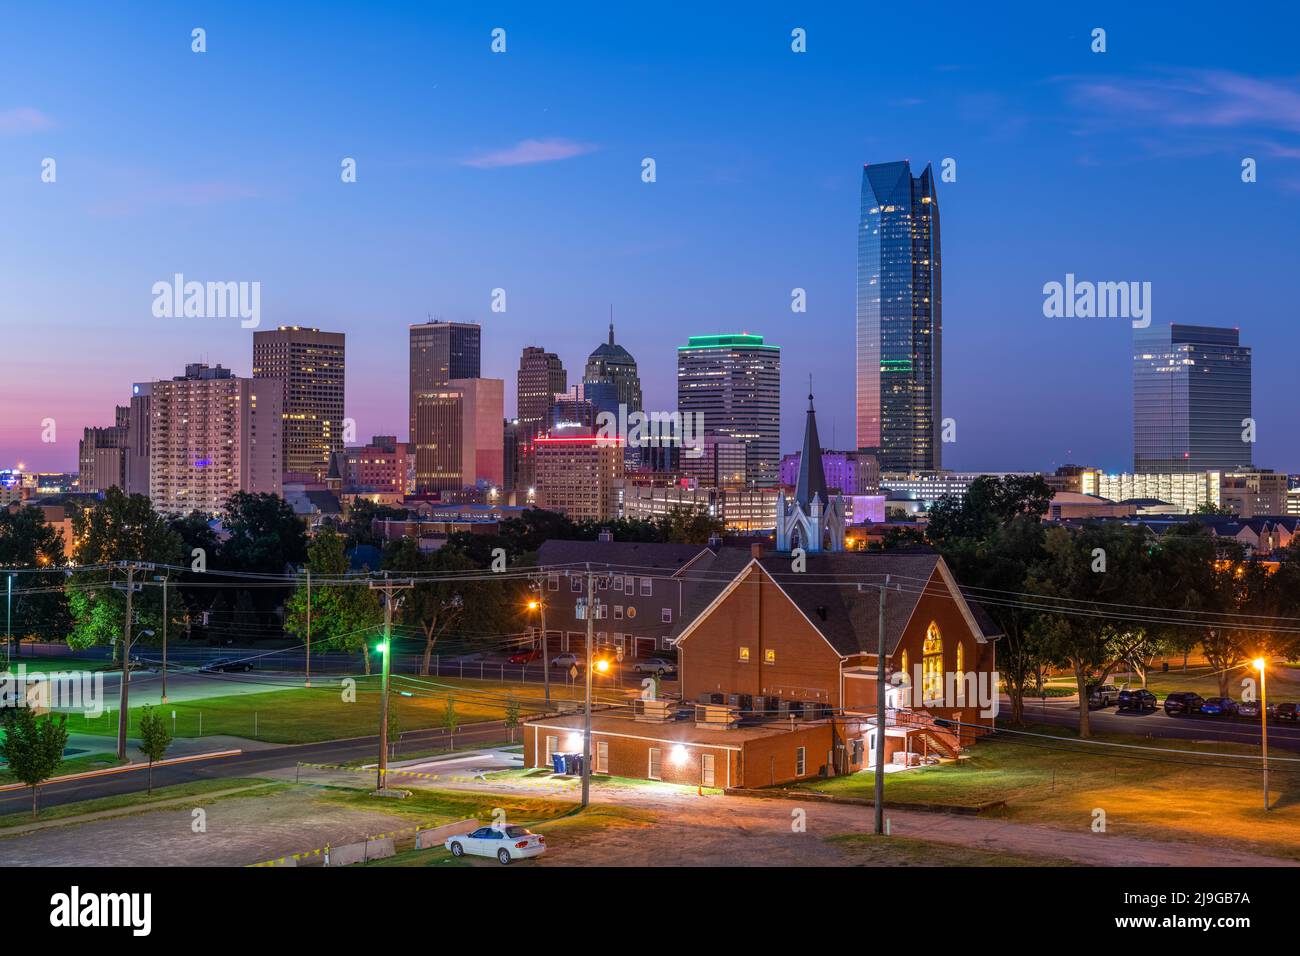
[522,171]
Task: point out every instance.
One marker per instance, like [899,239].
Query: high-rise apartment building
[137,458]
[212,434]
[1191,400]
[459,438]
[440,352]
[899,319]
[310,363]
[734,383]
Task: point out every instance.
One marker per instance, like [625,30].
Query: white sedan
[654,665]
[506,843]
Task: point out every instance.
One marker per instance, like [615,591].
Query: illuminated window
[769,656]
[744,653]
[932,665]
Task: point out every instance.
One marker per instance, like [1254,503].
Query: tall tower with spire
[813,520]
[613,365]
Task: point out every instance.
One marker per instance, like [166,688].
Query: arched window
[932,665]
[961,674]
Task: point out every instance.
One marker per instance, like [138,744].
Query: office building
[102,453]
[213,434]
[440,352]
[614,365]
[1191,400]
[541,376]
[458,435]
[847,472]
[310,363]
[899,319]
[734,383]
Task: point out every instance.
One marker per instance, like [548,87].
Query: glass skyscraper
[899,319]
[1191,394]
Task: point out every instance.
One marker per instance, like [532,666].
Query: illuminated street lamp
[537,604]
[1259,663]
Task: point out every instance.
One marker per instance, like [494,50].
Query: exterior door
[656,765]
[602,756]
[707,775]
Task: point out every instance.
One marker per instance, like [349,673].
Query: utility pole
[388,587]
[9,619]
[122,691]
[586,711]
[308,626]
[164,668]
[880,713]
[1261,663]
[539,587]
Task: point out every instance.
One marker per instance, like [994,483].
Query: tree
[684,525]
[32,747]
[120,528]
[344,616]
[40,607]
[358,526]
[451,719]
[989,503]
[512,720]
[155,738]
[448,599]
[1085,573]
[265,535]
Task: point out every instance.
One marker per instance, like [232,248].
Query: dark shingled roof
[827,593]
[618,555]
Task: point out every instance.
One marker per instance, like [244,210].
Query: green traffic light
[382,647]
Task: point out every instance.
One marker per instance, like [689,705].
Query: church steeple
[812,476]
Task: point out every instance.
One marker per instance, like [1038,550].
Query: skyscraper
[613,364]
[103,453]
[1191,399]
[212,434]
[541,375]
[899,319]
[459,436]
[310,363]
[734,382]
[441,351]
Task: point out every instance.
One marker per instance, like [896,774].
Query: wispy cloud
[23,120]
[529,152]
[1195,99]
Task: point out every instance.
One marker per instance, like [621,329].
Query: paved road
[249,764]
[1282,735]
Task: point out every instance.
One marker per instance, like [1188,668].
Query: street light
[1259,663]
[538,604]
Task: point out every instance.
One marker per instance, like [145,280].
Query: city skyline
[542,196]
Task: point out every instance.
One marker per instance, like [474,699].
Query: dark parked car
[1287,712]
[1102,695]
[1183,704]
[225,664]
[1219,707]
[1138,700]
[1248,708]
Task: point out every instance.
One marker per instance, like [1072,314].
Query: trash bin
[577,765]
[557,762]
[571,764]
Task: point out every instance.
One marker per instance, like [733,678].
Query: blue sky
[522,171]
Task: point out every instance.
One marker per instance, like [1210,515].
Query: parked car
[1248,708]
[526,657]
[654,665]
[1183,704]
[1287,712]
[1219,707]
[1137,699]
[225,664]
[1102,695]
[566,661]
[506,843]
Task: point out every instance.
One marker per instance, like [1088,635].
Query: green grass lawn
[42,665]
[78,764]
[304,715]
[142,801]
[1175,796]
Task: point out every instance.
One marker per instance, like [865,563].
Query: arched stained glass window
[932,665]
